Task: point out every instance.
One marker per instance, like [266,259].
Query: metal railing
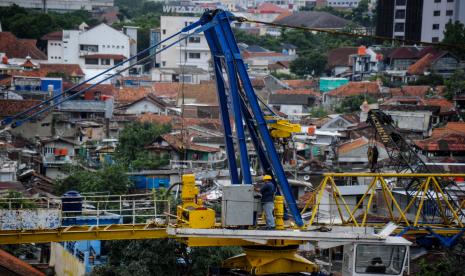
[99,209]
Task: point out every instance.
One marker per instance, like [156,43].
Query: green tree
[312,64]
[454,33]
[318,112]
[455,84]
[431,79]
[353,103]
[111,178]
[134,138]
[160,257]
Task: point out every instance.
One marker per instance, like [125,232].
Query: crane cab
[388,258]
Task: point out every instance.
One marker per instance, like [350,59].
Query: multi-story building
[93,49]
[193,51]
[417,19]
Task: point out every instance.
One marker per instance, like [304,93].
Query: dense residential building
[94,49]
[15,51]
[59,5]
[191,52]
[416,20]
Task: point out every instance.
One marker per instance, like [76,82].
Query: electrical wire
[357,35]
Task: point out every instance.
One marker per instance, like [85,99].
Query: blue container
[71,201]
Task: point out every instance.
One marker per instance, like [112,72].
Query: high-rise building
[417,19]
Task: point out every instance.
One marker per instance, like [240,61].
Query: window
[435,39]
[89,48]
[400,14]
[194,55]
[435,26]
[357,200]
[437,1]
[163,31]
[437,13]
[399,27]
[400,2]
[163,63]
[92,61]
[449,12]
[379,259]
[194,39]
[450,1]
[105,61]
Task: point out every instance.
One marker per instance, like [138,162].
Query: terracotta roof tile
[19,48]
[405,53]
[203,93]
[341,56]
[267,8]
[12,107]
[166,89]
[351,145]
[58,35]
[355,89]
[300,83]
[17,266]
[445,105]
[70,70]
[411,90]
[446,142]
[298,92]
[176,141]
[178,122]
[420,67]
[449,128]
[128,94]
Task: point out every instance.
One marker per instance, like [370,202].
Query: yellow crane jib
[280,128]
[192,213]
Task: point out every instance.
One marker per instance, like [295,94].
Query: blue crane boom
[237,99]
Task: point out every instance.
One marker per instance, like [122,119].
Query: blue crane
[236,96]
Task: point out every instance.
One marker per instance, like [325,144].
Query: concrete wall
[144,107]
[29,219]
[64,262]
[429,6]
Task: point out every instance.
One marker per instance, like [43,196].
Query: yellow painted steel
[279,212]
[77,233]
[281,128]
[257,261]
[428,185]
[196,241]
[191,213]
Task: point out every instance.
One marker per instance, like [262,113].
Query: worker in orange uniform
[268,191]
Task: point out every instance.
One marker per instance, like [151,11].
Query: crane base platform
[266,260]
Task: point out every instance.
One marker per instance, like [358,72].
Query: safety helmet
[267,177]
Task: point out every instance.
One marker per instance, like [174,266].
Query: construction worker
[268,191]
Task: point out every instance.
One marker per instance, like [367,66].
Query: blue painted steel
[222,39]
[446,241]
[150,182]
[54,99]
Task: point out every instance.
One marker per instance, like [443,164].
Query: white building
[93,49]
[342,4]
[191,52]
[436,14]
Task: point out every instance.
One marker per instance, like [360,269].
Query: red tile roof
[58,35]
[420,67]
[355,89]
[247,55]
[267,8]
[178,122]
[404,53]
[166,89]
[12,107]
[72,70]
[203,93]
[449,128]
[351,145]
[176,141]
[129,94]
[17,266]
[106,56]
[297,84]
[445,105]
[19,48]
[341,56]
[447,142]
[298,92]
[411,90]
